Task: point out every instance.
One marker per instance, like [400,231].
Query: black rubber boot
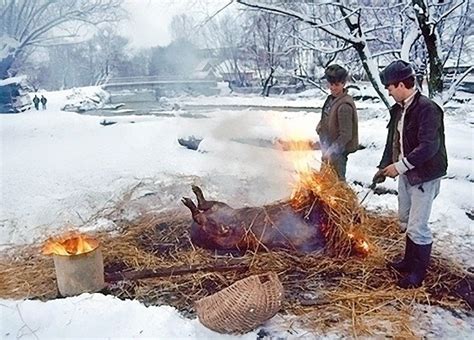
[422,260]
[405,265]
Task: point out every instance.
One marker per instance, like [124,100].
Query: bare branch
[448,12]
[379,28]
[312,82]
[313,46]
[382,8]
[216,13]
[303,18]
[32,17]
[6,9]
[55,41]
[455,85]
[395,52]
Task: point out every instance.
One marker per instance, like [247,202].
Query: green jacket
[338,127]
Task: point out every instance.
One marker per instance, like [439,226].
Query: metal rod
[371,189]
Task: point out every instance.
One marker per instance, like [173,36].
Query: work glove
[379,177]
[328,157]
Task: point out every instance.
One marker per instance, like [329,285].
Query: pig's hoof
[189,203]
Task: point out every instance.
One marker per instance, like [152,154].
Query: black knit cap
[336,74]
[396,71]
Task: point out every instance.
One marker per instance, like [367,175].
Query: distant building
[205,70]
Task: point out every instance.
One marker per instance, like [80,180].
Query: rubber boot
[405,265]
[422,260]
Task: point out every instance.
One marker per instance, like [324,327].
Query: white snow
[12,80]
[411,37]
[60,168]
[99,316]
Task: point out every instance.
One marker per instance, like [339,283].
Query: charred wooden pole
[132,275]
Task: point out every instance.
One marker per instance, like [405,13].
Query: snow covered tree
[430,25]
[353,34]
[25,24]
[375,32]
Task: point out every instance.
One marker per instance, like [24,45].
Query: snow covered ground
[61,168]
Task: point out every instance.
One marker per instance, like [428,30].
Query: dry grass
[355,289]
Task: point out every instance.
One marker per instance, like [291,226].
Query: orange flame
[361,245]
[68,245]
[302,156]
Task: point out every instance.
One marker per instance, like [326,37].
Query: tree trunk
[430,36]
[5,65]
[268,83]
[372,72]
[364,54]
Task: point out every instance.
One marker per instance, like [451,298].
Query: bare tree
[28,23]
[182,27]
[375,32]
[431,21]
[267,43]
[353,34]
[224,36]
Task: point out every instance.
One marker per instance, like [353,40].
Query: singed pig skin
[217,226]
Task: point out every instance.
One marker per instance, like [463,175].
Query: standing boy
[338,127]
[415,152]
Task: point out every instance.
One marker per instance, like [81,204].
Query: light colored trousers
[414,208]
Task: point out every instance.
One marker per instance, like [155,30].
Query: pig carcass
[217,226]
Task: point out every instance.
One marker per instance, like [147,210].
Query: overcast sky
[149,20]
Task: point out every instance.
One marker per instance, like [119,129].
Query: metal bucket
[77,274]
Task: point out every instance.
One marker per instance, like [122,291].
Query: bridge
[148,88]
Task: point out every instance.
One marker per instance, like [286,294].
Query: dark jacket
[338,128]
[423,140]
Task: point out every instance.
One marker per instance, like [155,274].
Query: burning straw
[343,228]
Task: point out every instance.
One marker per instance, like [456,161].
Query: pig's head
[215,228]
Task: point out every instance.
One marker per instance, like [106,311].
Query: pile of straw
[343,229]
[356,290]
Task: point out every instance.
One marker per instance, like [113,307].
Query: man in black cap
[415,151]
[338,127]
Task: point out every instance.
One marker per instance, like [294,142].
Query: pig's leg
[202,203]
[198,217]
[191,206]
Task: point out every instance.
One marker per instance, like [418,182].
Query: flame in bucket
[73,244]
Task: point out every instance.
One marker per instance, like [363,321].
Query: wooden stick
[132,275]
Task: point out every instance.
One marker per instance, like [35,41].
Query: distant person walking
[36,101]
[43,102]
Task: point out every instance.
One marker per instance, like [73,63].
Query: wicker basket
[242,306]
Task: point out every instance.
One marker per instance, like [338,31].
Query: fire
[73,244]
[309,183]
[360,244]
[302,156]
[365,246]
